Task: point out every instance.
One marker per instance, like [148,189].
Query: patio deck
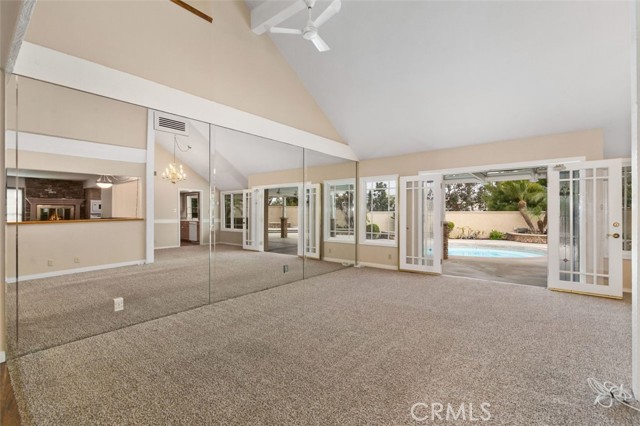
[529,271]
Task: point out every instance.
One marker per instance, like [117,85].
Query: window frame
[224,226]
[326,217]
[362,220]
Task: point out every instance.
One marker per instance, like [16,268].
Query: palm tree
[522,195]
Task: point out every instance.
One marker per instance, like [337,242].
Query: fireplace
[55,212]
[46,209]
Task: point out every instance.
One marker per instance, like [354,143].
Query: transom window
[339,219]
[379,225]
[232,204]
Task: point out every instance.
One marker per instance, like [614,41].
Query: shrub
[373,228]
[496,235]
[451,225]
[467,233]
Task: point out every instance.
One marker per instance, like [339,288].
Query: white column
[149,211]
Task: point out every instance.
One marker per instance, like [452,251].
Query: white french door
[585,225]
[421,223]
[312,209]
[252,224]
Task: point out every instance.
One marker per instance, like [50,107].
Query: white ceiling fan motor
[310,31]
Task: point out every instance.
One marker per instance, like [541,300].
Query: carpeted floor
[62,309]
[354,347]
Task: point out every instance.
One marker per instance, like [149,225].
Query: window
[626,207]
[232,204]
[339,218]
[379,200]
[14,205]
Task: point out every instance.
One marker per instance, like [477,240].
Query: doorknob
[614,235]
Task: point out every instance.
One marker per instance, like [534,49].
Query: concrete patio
[528,271]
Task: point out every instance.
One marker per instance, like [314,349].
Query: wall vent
[170,123]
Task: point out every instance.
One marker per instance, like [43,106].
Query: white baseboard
[230,244]
[75,271]
[626,290]
[3,357]
[166,247]
[336,260]
[378,265]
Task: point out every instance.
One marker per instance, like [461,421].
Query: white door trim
[613,244]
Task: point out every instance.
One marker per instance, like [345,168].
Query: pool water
[479,251]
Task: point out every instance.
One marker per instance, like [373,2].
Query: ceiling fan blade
[320,44]
[311,3]
[331,10]
[280,30]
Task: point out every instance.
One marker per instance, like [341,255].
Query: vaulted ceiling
[408,76]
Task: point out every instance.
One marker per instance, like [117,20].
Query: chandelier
[174,172]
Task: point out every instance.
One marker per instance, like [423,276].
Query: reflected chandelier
[174,172]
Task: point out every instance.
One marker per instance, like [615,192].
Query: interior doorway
[190,217]
[282,215]
[497,223]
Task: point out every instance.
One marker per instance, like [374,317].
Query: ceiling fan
[310,31]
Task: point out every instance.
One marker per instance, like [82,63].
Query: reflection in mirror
[118,215]
[330,213]
[257,185]
[40,196]
[76,237]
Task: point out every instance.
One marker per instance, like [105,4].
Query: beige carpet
[62,309]
[354,347]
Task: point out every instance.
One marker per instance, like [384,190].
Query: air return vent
[170,123]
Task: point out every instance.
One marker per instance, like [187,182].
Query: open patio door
[585,225]
[252,224]
[421,223]
[312,209]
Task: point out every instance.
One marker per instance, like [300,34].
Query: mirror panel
[97,242]
[257,185]
[76,247]
[330,218]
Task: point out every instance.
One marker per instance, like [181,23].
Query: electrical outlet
[389,256]
[49,262]
[76,260]
[329,250]
[285,269]
[118,304]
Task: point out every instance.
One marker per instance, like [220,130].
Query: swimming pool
[481,249]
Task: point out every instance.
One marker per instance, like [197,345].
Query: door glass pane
[411,240]
[576,228]
[583,226]
[565,235]
[430,222]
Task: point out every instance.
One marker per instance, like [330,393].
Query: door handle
[614,235]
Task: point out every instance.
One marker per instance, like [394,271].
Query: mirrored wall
[118,215]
